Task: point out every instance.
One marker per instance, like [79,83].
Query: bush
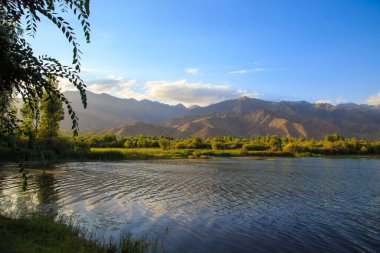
[164,143]
[180,145]
[217,146]
[255,147]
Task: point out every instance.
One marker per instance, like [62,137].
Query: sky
[198,52]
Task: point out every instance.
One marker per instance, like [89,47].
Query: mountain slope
[105,111]
[141,128]
[251,117]
[257,117]
[241,117]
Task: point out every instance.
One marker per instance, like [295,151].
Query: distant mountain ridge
[105,111]
[250,117]
[241,117]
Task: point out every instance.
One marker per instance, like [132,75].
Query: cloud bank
[373,100]
[339,100]
[323,101]
[192,93]
[171,92]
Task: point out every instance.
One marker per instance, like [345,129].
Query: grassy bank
[116,154]
[40,234]
[157,153]
[21,154]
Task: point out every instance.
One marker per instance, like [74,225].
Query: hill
[238,117]
[251,117]
[105,111]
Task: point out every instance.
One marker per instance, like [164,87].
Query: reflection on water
[40,198]
[218,205]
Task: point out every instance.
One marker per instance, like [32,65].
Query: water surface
[216,205]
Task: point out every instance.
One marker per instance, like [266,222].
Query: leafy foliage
[23,72]
[111,147]
[31,120]
[331,145]
[51,114]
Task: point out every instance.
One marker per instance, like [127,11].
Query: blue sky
[205,51]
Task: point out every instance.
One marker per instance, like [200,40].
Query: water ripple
[218,205]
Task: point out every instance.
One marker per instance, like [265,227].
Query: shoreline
[124,154]
[40,233]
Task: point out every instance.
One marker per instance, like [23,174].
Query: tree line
[333,144]
[39,130]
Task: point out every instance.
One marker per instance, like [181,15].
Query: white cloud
[181,91]
[116,86]
[341,100]
[87,70]
[323,101]
[242,71]
[192,71]
[106,85]
[128,83]
[171,92]
[65,85]
[102,85]
[246,71]
[373,100]
[102,88]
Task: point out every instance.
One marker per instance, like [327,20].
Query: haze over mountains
[105,111]
[239,117]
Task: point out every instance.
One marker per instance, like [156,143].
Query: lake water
[216,205]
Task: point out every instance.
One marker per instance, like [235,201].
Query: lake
[216,205]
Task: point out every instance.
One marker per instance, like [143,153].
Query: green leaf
[87,5]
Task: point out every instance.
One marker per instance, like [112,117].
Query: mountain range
[105,111]
[241,117]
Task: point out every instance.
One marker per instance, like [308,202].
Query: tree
[215,145]
[8,120]
[195,142]
[23,72]
[164,143]
[51,114]
[31,120]
[275,142]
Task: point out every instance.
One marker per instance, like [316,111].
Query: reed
[40,234]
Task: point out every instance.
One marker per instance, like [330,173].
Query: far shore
[119,154]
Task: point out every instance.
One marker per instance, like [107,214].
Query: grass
[157,153]
[7,154]
[115,154]
[43,234]
[144,153]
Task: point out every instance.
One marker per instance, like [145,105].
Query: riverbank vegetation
[112,147]
[42,234]
[39,138]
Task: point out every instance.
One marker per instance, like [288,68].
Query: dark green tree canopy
[51,114]
[27,74]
